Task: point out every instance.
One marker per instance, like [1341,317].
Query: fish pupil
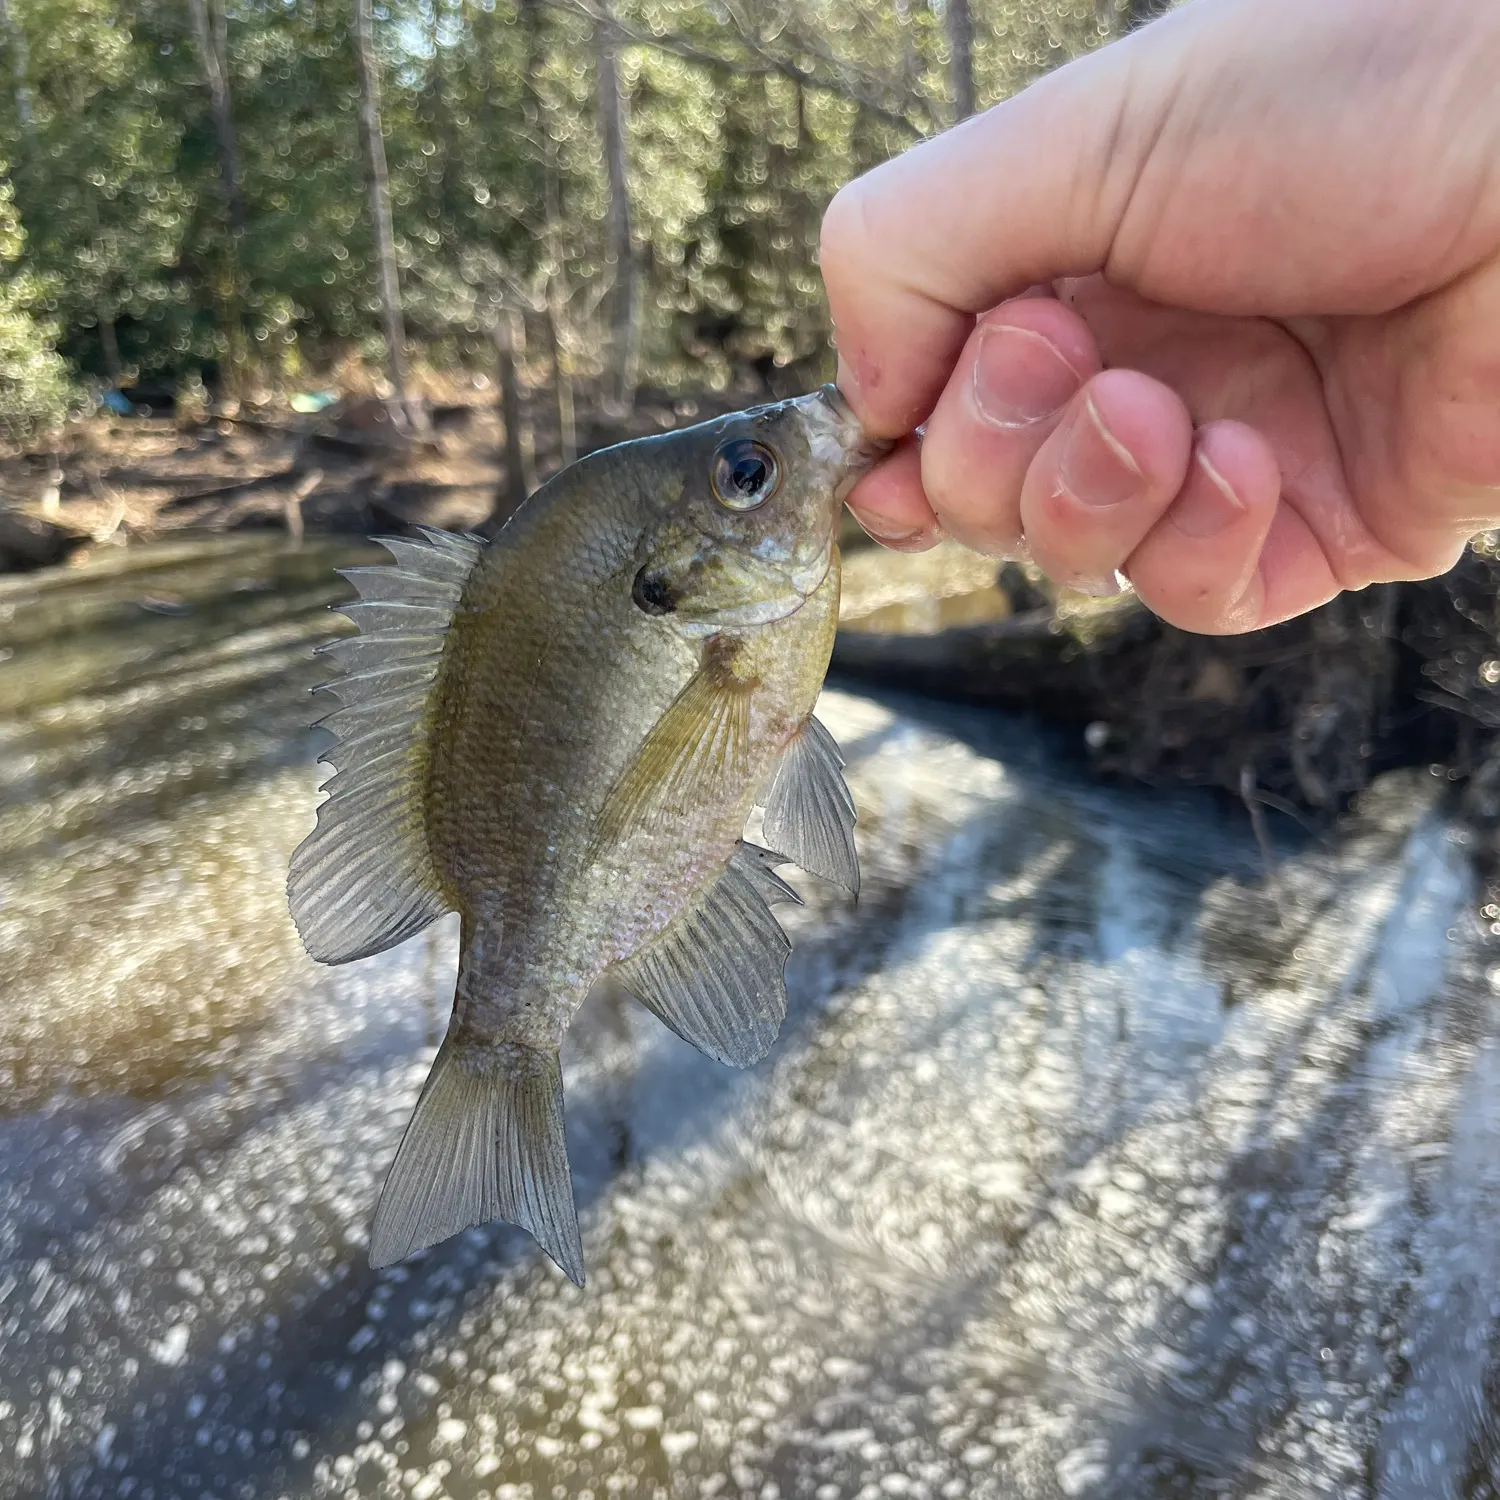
[748,475]
[652,594]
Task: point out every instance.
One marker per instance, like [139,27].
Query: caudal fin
[485,1142]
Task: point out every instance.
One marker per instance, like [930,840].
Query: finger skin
[1287,214]
[907,265]
[1251,370]
[1021,366]
[1105,477]
[1264,158]
[890,504]
[1202,567]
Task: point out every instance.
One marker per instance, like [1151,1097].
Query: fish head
[749,536]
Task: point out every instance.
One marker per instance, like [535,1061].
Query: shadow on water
[1065,1120]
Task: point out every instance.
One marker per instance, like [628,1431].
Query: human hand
[1237,280]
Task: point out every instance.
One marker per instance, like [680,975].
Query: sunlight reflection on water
[1075,1171]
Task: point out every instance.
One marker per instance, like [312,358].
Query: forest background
[239,194]
[609,209]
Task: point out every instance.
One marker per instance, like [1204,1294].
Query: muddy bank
[347,469]
[1297,719]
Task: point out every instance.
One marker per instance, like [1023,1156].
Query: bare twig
[761,64]
[292,502]
[1252,801]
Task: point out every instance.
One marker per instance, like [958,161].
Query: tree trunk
[20,61]
[109,347]
[212,48]
[509,334]
[960,57]
[380,210]
[619,252]
[555,311]
[562,383]
[211,32]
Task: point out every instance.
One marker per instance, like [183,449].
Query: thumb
[1031,191]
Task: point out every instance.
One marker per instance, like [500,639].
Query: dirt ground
[113,480]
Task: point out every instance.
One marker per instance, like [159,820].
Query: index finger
[1028,192]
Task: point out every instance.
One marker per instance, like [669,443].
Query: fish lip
[802,583]
[859,451]
[835,398]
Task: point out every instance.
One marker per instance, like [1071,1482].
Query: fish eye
[745,474]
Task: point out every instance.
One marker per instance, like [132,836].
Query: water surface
[1086,1165]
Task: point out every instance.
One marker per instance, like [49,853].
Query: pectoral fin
[809,812]
[715,974]
[697,754]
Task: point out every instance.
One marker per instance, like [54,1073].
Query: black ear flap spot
[652,594]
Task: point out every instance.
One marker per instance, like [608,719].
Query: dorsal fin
[363,880]
[715,974]
[809,812]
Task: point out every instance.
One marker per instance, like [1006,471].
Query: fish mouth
[856,451]
[834,397]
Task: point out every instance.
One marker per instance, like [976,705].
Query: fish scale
[561,736]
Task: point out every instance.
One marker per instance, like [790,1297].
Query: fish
[561,735]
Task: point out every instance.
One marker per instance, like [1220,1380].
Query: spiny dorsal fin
[809,812]
[697,754]
[363,880]
[715,974]
[486,1141]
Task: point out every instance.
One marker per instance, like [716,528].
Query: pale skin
[1217,306]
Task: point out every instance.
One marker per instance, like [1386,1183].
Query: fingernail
[1020,377]
[1207,505]
[892,533]
[1100,588]
[1096,467]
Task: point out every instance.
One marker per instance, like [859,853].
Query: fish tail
[485,1142]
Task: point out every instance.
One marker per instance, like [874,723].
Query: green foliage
[34,387]
[743,120]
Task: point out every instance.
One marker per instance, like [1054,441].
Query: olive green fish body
[546,698]
[561,736]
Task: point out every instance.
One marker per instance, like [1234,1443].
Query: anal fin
[486,1141]
[809,812]
[715,975]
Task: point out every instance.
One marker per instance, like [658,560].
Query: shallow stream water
[1089,1163]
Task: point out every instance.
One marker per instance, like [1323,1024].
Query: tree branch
[761,64]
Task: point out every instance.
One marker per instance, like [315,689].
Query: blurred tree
[95,181]
[620,247]
[380,205]
[960,56]
[211,31]
[544,136]
[641,180]
[14,38]
[34,388]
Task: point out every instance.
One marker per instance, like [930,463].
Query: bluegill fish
[561,736]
